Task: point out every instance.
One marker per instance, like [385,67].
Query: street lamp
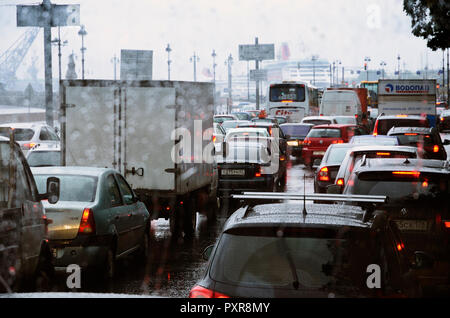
[168,50]
[82,33]
[366,66]
[338,62]
[398,66]
[58,43]
[194,59]
[213,54]
[382,64]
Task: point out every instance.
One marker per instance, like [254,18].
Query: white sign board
[37,16]
[258,75]
[407,87]
[256,52]
[136,65]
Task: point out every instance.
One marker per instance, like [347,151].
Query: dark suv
[386,122]
[419,202]
[276,251]
[428,140]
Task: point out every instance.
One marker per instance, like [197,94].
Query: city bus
[293,100]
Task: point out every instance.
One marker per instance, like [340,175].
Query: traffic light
[365,66]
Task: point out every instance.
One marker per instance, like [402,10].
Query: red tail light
[340,141]
[447,224]
[323,174]
[87,224]
[214,139]
[201,292]
[414,174]
[400,246]
[383,153]
[28,145]
[340,182]
[258,172]
[436,148]
[375,129]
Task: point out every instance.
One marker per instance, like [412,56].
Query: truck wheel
[44,271]
[190,219]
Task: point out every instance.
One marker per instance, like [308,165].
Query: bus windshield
[287,92]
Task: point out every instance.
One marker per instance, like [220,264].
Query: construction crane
[11,59]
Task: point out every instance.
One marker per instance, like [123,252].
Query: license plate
[318,153]
[233,172]
[412,225]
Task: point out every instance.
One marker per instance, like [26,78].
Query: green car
[97,219]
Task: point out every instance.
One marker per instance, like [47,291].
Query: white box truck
[154,133]
[407,97]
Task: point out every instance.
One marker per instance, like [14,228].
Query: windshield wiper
[295,283]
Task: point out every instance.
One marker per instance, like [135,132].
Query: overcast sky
[348,30]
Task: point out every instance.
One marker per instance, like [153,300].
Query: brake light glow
[340,182]
[415,174]
[383,153]
[201,292]
[323,174]
[442,118]
[87,224]
[447,224]
[214,139]
[402,116]
[410,134]
[29,145]
[258,173]
[340,141]
[425,184]
[400,246]
[436,148]
[287,101]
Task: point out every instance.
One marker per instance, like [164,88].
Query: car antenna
[304,196]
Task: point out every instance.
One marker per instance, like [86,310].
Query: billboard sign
[136,65]
[256,52]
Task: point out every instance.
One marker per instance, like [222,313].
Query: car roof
[393,164]
[417,117]
[2,138]
[384,148]
[374,137]
[418,130]
[260,124]
[72,170]
[297,124]
[334,126]
[290,215]
[318,117]
[24,125]
[246,129]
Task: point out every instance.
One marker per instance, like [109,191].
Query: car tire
[110,263]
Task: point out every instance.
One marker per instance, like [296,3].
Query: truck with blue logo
[408,97]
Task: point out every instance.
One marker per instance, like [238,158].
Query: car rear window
[296,130]
[345,120]
[336,155]
[72,187]
[317,121]
[320,258]
[324,133]
[44,158]
[20,134]
[384,125]
[374,140]
[414,139]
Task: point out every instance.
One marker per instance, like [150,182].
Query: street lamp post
[82,33]
[195,59]
[229,63]
[168,50]
[314,58]
[398,66]
[367,60]
[58,42]
[115,60]
[382,64]
[214,66]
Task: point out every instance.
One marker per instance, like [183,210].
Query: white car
[28,135]
[44,155]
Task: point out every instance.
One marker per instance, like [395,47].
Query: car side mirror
[446,142]
[422,260]
[207,252]
[334,189]
[53,187]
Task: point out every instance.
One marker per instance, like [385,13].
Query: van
[341,103]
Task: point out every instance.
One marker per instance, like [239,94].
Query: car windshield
[345,120]
[20,134]
[336,155]
[296,130]
[324,133]
[317,121]
[291,92]
[72,188]
[230,124]
[322,259]
[44,158]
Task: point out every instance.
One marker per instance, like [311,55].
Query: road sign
[257,52]
[258,75]
[38,16]
[136,65]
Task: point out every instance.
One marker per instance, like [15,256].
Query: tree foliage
[430,19]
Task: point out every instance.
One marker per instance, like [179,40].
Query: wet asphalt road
[174,266]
